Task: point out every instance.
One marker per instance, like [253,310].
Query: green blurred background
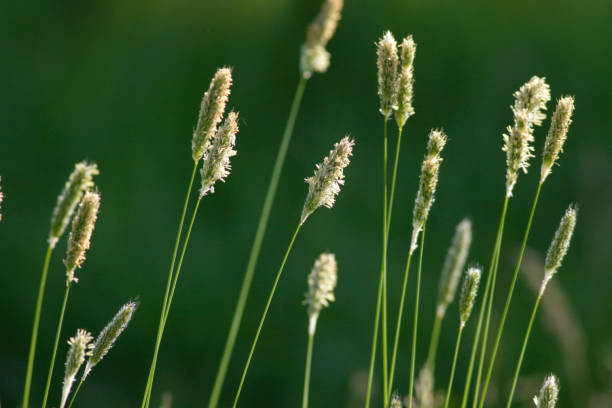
[119,83]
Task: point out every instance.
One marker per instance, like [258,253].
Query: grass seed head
[314,56]
[548,393]
[559,245]
[396,402]
[387,63]
[454,264]
[79,348]
[80,237]
[468,293]
[321,284]
[405,82]
[217,157]
[557,134]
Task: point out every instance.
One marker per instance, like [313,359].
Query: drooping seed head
[557,134]
[107,337]
[529,103]
[454,264]
[211,111]
[427,184]
[217,158]
[387,63]
[405,82]
[548,393]
[328,177]
[314,56]
[468,293]
[396,402]
[559,245]
[79,348]
[80,180]
[80,237]
[321,284]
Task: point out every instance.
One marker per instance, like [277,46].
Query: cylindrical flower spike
[387,63]
[328,177]
[80,180]
[548,393]
[211,111]
[405,82]
[108,335]
[217,157]
[321,284]
[79,349]
[468,294]
[80,236]
[423,388]
[314,56]
[427,184]
[557,134]
[396,402]
[453,265]
[559,245]
[529,102]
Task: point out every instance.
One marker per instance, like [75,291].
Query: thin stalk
[384,270]
[452,375]
[374,341]
[416,317]
[75,393]
[509,298]
[435,339]
[39,300]
[307,371]
[520,361]
[168,283]
[255,249]
[265,313]
[394,178]
[55,344]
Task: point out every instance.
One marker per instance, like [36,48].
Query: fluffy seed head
[80,236]
[557,134]
[468,293]
[454,264]
[217,156]
[405,82]
[321,284]
[427,184]
[79,349]
[396,402]
[108,335]
[548,393]
[314,57]
[559,245]
[80,180]
[532,97]
[211,111]
[328,177]
[387,63]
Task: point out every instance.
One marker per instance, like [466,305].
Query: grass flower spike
[217,157]
[387,64]
[211,112]
[454,264]
[559,245]
[80,236]
[557,134]
[328,177]
[405,82]
[80,180]
[396,402]
[548,393]
[321,284]
[315,57]
[468,293]
[79,349]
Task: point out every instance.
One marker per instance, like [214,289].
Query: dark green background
[119,83]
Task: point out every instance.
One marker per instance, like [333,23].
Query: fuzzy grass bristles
[217,158]
[328,177]
[80,236]
[469,291]
[557,134]
[559,245]
[547,398]
[321,284]
[314,56]
[80,180]
[211,111]
[79,348]
[396,402]
[405,82]
[453,265]
[387,63]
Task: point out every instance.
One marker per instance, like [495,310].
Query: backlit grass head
[559,245]
[454,264]
[80,237]
[321,284]
[79,349]
[387,63]
[405,82]
[468,293]
[314,56]
[217,157]
[547,398]
[557,134]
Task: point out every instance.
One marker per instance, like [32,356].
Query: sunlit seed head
[557,134]
[387,63]
[396,401]
[314,56]
[547,398]
[79,239]
[321,284]
[217,158]
[559,245]
[468,293]
[454,264]
[79,349]
[405,82]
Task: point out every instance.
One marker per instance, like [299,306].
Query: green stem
[168,283]
[75,393]
[255,249]
[393,179]
[520,361]
[265,313]
[435,339]
[307,371]
[39,300]
[374,341]
[509,298]
[452,375]
[384,269]
[55,344]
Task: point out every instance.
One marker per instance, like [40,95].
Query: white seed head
[217,157]
[559,245]
[328,177]
[211,112]
[454,264]
[396,402]
[548,393]
[557,134]
[80,180]
[79,239]
[427,184]
[79,348]
[468,293]
[314,57]
[387,63]
[405,82]
[321,284]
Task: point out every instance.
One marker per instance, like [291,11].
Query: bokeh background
[119,83]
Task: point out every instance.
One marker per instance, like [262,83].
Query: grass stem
[384,268]
[452,375]
[307,371]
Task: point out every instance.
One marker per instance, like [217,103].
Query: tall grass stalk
[383,268]
[452,375]
[416,318]
[307,371]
